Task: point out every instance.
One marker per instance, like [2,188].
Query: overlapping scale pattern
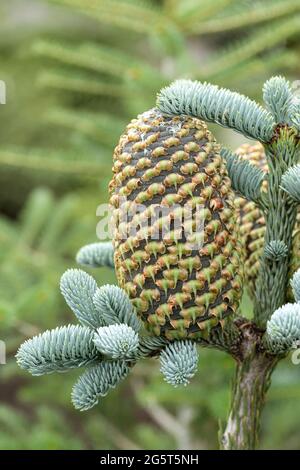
[252,223]
[177,250]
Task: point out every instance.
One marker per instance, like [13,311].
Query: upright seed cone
[169,178]
[253,227]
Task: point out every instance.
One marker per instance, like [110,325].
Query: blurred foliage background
[76,72]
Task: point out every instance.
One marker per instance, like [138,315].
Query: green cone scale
[181,280]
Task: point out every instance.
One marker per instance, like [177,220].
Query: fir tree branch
[278,97]
[81,84]
[179,362]
[246,179]
[37,162]
[60,219]
[150,346]
[96,255]
[114,306]
[191,14]
[226,337]
[96,382]
[117,341]
[128,15]
[78,289]
[58,350]
[37,211]
[287,146]
[290,182]
[260,40]
[295,283]
[246,16]
[218,105]
[99,127]
[283,329]
[295,115]
[275,250]
[280,217]
[95,57]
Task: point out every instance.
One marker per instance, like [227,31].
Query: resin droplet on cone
[177,251]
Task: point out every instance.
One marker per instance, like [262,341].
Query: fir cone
[252,224]
[181,280]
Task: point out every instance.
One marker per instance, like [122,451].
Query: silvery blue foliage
[275,250]
[108,342]
[290,182]
[296,117]
[58,350]
[150,344]
[295,283]
[78,289]
[96,255]
[179,361]
[75,346]
[295,109]
[219,105]
[246,179]
[96,382]
[283,328]
[114,306]
[116,341]
[278,97]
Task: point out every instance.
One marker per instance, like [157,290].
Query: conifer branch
[179,361]
[275,250]
[100,128]
[150,346]
[295,116]
[78,289]
[295,283]
[96,382]
[290,182]
[128,15]
[114,306]
[58,350]
[80,84]
[283,329]
[218,105]
[278,97]
[246,179]
[93,56]
[246,16]
[67,166]
[116,341]
[260,40]
[96,255]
